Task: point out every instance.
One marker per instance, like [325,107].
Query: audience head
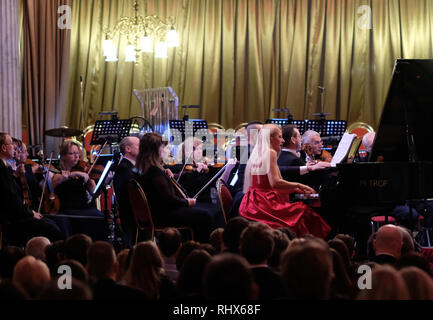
[281,242]
[184,251]
[190,277]
[290,234]
[386,284]
[21,153]
[36,247]
[348,241]
[129,147]
[307,270]
[418,283]
[169,241]
[9,256]
[368,140]
[146,269]
[370,247]
[228,276]
[232,233]
[122,260]
[389,240]
[312,138]
[216,239]
[292,137]
[341,284]
[54,254]
[408,243]
[32,275]
[78,271]
[256,243]
[101,261]
[76,247]
[340,246]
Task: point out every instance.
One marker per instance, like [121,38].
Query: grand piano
[400,164]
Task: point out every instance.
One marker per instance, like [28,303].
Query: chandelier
[143,33]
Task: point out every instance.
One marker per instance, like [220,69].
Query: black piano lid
[409,105]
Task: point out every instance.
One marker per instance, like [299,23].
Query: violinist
[21,222]
[168,208]
[292,165]
[129,147]
[29,176]
[312,143]
[193,172]
[74,188]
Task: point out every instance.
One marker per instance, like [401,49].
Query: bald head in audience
[36,247]
[32,275]
[389,241]
[368,140]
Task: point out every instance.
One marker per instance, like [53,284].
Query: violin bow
[183,168]
[45,180]
[97,157]
[210,181]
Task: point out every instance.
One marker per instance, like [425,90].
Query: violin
[324,155]
[94,171]
[20,174]
[49,200]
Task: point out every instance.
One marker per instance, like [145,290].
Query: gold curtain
[45,60]
[239,59]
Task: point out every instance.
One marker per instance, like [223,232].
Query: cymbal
[63,132]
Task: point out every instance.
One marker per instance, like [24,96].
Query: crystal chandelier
[141,32]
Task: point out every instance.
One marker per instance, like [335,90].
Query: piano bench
[378,221]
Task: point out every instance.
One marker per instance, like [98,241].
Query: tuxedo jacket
[289,165]
[121,180]
[13,208]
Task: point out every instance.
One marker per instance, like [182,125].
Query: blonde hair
[64,148]
[259,161]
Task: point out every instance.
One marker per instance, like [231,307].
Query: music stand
[179,129]
[112,131]
[335,127]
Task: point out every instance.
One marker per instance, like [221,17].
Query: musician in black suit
[21,222]
[129,148]
[234,173]
[292,160]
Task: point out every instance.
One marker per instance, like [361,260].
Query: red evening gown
[272,207]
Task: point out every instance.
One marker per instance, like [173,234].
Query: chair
[141,210]
[241,126]
[225,197]
[142,214]
[215,126]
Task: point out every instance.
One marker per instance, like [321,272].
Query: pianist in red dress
[267,193]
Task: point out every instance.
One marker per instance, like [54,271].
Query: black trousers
[21,231]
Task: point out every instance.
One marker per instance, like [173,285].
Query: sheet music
[343,148]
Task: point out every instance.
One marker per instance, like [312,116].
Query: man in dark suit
[235,173]
[129,148]
[20,222]
[292,162]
